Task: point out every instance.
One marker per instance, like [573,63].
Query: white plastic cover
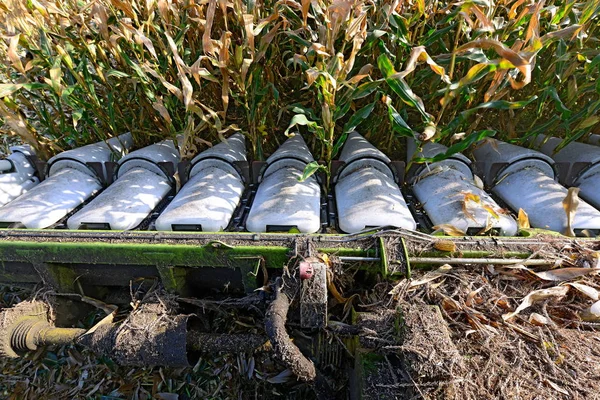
[541,197]
[20,180]
[51,200]
[446,194]
[366,193]
[282,202]
[125,203]
[368,198]
[206,202]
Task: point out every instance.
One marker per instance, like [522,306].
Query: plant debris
[458,332]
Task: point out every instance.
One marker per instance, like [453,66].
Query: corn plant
[77,72]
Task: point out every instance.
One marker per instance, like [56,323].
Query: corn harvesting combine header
[264,236]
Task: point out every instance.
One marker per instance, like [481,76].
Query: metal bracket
[183,168]
[257,169]
[398,167]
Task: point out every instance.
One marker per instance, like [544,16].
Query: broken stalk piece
[287,352]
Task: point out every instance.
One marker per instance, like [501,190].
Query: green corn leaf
[497,105]
[398,124]
[300,119]
[365,89]
[358,117]
[116,74]
[400,87]
[591,10]
[558,104]
[341,111]
[310,169]
[6,89]
[298,39]
[459,146]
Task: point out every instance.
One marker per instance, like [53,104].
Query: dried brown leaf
[207,44]
[589,291]
[535,296]
[305,8]
[533,32]
[417,55]
[126,7]
[431,276]
[538,319]
[513,9]
[362,73]
[162,110]
[249,29]
[567,33]
[223,61]
[169,86]
[188,90]
[516,60]
[320,49]
[566,274]
[12,54]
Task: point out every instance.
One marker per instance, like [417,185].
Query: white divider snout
[111,149]
[593,139]
[282,202]
[366,192]
[448,193]
[5,166]
[140,186]
[587,177]
[16,174]
[528,183]
[70,182]
[212,192]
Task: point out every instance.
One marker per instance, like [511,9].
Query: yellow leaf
[469,197]
[445,245]
[449,230]
[333,290]
[491,210]
[325,258]
[305,7]
[523,220]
